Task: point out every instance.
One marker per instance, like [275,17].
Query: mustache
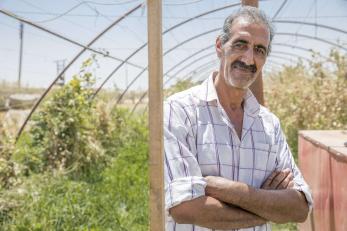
[243,65]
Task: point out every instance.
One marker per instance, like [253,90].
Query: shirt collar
[207,92]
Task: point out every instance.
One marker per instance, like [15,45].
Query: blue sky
[82,20]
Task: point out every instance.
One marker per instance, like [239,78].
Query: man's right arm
[211,213]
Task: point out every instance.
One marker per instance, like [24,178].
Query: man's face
[243,56]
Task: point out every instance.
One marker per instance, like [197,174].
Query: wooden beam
[254,3]
[257,86]
[155,85]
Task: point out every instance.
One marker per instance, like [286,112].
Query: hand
[279,180]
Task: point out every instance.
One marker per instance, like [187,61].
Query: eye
[239,45]
[260,50]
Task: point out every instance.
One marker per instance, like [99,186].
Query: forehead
[253,32]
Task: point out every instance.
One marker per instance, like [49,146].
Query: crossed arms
[230,204]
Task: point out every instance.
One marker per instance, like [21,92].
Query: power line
[45,11]
[80,26]
[110,20]
[65,38]
[110,4]
[181,4]
[60,15]
[13,27]
[71,62]
[279,9]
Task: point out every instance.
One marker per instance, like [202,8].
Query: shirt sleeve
[285,160]
[183,178]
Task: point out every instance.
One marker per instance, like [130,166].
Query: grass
[284,227]
[53,201]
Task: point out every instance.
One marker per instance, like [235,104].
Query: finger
[279,178]
[266,184]
[285,182]
[290,185]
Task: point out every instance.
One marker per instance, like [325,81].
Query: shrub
[9,169]
[309,98]
[63,132]
[117,202]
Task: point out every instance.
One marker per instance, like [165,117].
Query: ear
[219,47]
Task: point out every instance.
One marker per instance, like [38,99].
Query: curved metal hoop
[213,61]
[166,31]
[213,30]
[87,47]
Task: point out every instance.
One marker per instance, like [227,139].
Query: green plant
[8,168]
[284,227]
[62,135]
[119,201]
[309,98]
[180,85]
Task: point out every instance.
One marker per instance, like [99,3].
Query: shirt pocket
[265,161]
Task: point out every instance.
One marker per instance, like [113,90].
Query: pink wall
[323,162]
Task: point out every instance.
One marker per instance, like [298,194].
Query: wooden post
[155,73]
[250,3]
[257,86]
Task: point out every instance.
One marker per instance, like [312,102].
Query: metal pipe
[71,62]
[206,48]
[12,15]
[311,24]
[166,31]
[217,29]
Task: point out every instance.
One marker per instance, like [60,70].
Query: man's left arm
[280,206]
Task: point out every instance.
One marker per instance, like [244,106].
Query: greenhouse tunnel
[111,39]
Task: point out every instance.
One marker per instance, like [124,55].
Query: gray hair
[251,14]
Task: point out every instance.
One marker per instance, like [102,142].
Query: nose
[248,57]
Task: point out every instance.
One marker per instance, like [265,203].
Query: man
[227,163]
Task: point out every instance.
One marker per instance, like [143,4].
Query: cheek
[260,62]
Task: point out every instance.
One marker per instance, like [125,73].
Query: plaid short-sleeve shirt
[200,140]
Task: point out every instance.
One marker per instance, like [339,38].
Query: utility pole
[315,18]
[60,67]
[126,75]
[21,33]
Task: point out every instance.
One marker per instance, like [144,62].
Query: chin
[239,84]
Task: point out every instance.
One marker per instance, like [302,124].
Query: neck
[229,97]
